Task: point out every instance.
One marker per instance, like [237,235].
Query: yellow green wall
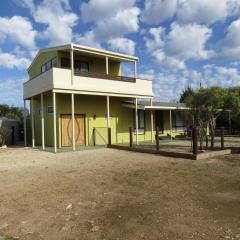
[122,119]
[43,58]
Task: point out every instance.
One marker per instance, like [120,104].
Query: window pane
[54,62]
[49,65]
[43,68]
[65,62]
[50,109]
[84,67]
[141,119]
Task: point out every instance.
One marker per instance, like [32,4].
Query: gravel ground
[110,194]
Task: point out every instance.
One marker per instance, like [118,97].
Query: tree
[206,105]
[188,92]
[4,133]
[11,112]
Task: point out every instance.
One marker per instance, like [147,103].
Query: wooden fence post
[109,136]
[195,140]
[157,138]
[130,137]
[94,136]
[222,138]
[206,142]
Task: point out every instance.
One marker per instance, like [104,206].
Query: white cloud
[182,43]
[10,61]
[156,11]
[12,91]
[123,45]
[189,11]
[156,39]
[232,39]
[229,47]
[202,11]
[87,39]
[168,85]
[96,10]
[19,30]
[58,18]
[110,19]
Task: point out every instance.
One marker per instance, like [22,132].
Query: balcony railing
[104,76]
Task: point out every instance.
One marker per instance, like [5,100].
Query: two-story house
[76,93]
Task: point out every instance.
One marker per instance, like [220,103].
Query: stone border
[190,156]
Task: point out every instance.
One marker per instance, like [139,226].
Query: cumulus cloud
[19,30]
[12,90]
[11,61]
[230,45]
[110,19]
[168,85]
[58,18]
[202,11]
[123,45]
[189,11]
[87,39]
[182,43]
[156,11]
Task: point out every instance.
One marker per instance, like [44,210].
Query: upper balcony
[60,80]
[73,68]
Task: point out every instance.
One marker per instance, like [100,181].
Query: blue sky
[179,43]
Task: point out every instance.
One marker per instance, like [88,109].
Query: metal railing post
[130,137]
[157,138]
[109,136]
[222,138]
[195,140]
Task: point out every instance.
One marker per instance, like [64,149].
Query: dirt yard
[110,194]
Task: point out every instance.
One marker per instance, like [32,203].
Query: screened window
[50,109]
[141,121]
[54,62]
[65,63]
[81,66]
[43,68]
[177,122]
[50,64]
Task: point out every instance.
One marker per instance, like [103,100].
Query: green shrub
[4,133]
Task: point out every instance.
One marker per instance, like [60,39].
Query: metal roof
[85,49]
[145,105]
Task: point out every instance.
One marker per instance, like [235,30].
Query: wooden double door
[66,122]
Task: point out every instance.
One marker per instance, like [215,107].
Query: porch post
[151,120]
[24,123]
[108,113]
[54,123]
[135,69]
[106,65]
[136,120]
[32,120]
[170,112]
[42,121]
[72,64]
[73,123]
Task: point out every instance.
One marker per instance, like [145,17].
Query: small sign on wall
[110,116]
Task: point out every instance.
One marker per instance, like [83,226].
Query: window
[50,64]
[81,66]
[141,121]
[177,122]
[54,62]
[43,68]
[50,109]
[65,63]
